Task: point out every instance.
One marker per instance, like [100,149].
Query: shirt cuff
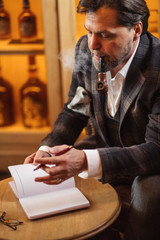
[94,165]
[45,149]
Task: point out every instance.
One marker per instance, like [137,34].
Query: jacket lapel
[98,105]
[131,89]
[135,77]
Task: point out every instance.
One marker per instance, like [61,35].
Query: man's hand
[34,156]
[65,166]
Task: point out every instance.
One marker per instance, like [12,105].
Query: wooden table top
[79,224]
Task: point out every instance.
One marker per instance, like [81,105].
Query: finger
[57,180]
[29,159]
[52,171]
[42,179]
[53,182]
[34,156]
[48,160]
[50,179]
[39,155]
[57,149]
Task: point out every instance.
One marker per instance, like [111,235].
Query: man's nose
[94,42]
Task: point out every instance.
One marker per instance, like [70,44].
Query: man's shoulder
[83,55]
[148,53]
[150,40]
[82,43]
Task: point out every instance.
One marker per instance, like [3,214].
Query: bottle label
[31,89]
[6,115]
[6,103]
[27,29]
[2,89]
[4,27]
[33,112]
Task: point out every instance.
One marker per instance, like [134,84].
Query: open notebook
[39,199]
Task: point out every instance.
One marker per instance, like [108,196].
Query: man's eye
[105,36]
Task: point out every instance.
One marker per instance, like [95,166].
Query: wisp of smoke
[67,57]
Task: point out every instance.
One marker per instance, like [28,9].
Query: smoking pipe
[102,85]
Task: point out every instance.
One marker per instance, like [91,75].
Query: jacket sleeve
[74,116]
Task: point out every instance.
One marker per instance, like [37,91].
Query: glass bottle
[34,99]
[5,28]
[6,102]
[27,24]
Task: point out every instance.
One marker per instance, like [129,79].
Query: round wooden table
[80,224]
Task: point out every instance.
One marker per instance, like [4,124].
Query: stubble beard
[111,63]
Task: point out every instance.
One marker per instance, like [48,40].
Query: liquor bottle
[34,99]
[5,28]
[6,102]
[27,24]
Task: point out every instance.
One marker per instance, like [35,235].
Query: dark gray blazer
[139,130]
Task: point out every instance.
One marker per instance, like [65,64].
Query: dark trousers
[140,215]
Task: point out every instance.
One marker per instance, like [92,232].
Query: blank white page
[53,203]
[25,184]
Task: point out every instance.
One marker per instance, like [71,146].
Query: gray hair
[130,12]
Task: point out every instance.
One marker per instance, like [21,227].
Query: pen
[57,154]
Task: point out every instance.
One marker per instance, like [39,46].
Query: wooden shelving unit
[15,47]
[16,141]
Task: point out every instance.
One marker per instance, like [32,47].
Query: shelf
[18,142]
[20,129]
[13,47]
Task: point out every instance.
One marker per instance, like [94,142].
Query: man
[126,118]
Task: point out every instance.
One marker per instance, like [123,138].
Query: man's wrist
[85,165]
[45,149]
[94,167]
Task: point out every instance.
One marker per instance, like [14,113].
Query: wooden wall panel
[67,38]
[51,37]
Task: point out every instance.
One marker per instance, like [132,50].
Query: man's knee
[146,191]
[144,216]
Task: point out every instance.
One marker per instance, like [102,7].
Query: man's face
[109,39]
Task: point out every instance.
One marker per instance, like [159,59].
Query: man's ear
[138,30]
